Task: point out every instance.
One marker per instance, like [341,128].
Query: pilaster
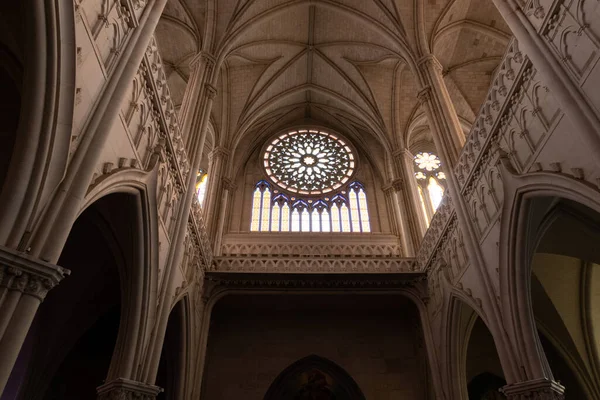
[125,389]
[542,389]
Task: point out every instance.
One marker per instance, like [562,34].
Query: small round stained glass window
[309,161]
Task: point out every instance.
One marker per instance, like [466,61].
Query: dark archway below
[314,377]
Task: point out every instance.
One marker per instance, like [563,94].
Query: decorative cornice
[31,276]
[542,389]
[307,265]
[125,389]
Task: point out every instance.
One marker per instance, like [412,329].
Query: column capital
[31,276]
[543,389]
[228,184]
[430,60]
[125,389]
[202,57]
[219,151]
[210,91]
[394,186]
[402,153]
[424,95]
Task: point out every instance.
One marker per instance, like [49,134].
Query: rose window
[427,161]
[309,162]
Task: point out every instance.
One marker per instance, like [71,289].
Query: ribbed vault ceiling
[344,64]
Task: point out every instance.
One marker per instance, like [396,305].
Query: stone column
[404,160]
[542,389]
[401,221]
[125,389]
[437,102]
[227,194]
[553,72]
[24,283]
[212,205]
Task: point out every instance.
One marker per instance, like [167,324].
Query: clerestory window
[273,211]
[201,183]
[431,182]
[310,188]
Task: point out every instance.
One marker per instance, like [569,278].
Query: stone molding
[313,281]
[125,389]
[19,271]
[304,265]
[289,245]
[543,389]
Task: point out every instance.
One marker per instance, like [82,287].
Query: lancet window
[431,182]
[274,211]
[201,183]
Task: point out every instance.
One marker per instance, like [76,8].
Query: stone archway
[565,288]
[81,334]
[173,358]
[314,377]
[475,368]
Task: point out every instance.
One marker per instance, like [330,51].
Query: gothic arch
[283,387]
[527,201]
[174,362]
[101,313]
[44,130]
[462,318]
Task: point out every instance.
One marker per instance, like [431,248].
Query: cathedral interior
[300,199]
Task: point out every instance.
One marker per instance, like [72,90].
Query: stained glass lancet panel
[325,222]
[285,218]
[429,179]
[335,218]
[201,184]
[256,200]
[345,212]
[265,215]
[354,213]
[295,220]
[315,225]
[364,211]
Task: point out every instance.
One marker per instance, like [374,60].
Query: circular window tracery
[309,162]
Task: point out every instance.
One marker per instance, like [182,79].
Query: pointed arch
[340,383]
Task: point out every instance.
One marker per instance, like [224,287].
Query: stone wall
[375,339]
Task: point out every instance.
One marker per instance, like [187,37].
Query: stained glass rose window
[309,162]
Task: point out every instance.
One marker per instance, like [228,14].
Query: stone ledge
[542,388]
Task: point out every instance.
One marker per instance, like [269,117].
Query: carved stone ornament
[19,271]
[542,389]
[125,389]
